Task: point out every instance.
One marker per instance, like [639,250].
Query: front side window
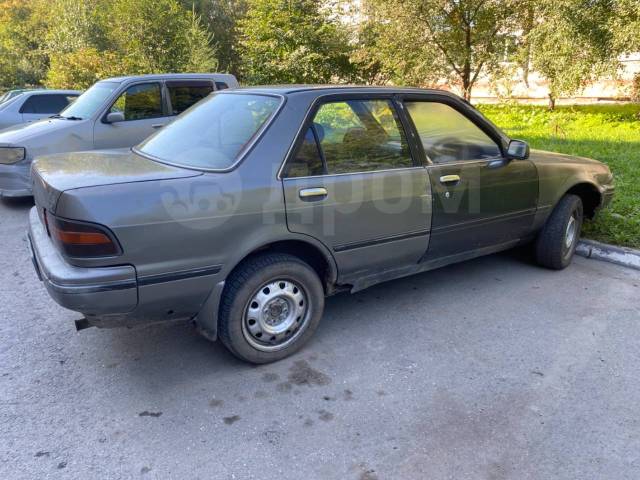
[213,134]
[449,136]
[357,136]
[185,94]
[140,102]
[87,104]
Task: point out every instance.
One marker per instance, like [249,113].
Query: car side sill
[368,281]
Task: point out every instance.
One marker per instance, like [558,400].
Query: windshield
[90,101]
[212,134]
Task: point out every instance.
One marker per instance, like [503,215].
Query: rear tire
[270,307]
[557,241]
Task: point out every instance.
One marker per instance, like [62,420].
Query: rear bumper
[14,180]
[91,291]
[118,296]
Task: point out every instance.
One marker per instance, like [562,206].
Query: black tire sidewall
[551,251]
[567,253]
[294,270]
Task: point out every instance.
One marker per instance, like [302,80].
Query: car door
[43,105]
[481,199]
[352,182]
[144,110]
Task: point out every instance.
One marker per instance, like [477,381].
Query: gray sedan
[248,209]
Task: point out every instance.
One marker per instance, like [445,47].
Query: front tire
[270,307]
[557,241]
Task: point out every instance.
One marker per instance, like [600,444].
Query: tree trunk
[466,90]
[466,68]
[552,102]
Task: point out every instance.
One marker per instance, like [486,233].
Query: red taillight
[79,239]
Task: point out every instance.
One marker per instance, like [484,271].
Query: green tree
[73,25]
[23,59]
[221,17]
[625,28]
[102,38]
[570,44]
[157,36]
[82,68]
[292,41]
[624,25]
[199,41]
[422,42]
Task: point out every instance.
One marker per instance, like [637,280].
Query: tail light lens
[80,239]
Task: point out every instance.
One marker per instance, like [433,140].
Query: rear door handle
[157,125]
[309,193]
[449,179]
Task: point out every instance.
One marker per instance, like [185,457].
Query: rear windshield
[212,134]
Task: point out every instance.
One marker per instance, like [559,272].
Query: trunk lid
[53,174]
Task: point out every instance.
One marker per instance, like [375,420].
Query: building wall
[604,89]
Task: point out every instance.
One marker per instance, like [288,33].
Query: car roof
[329,89]
[165,76]
[52,91]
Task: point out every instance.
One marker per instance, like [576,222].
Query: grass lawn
[609,133]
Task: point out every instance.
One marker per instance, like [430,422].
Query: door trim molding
[484,221]
[377,241]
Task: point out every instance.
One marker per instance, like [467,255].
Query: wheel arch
[307,249]
[317,256]
[589,194]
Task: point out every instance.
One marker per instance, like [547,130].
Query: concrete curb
[627,257]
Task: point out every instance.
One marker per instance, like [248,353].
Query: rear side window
[185,94]
[140,102]
[354,136]
[221,86]
[449,136]
[307,161]
[214,133]
[47,104]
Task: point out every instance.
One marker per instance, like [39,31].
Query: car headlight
[10,155]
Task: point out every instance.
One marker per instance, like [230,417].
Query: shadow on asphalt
[164,355]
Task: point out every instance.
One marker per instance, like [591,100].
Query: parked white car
[8,95]
[32,105]
[114,113]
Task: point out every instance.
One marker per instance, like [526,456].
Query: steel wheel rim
[570,232]
[275,315]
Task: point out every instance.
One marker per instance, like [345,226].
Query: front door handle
[157,125]
[308,193]
[449,179]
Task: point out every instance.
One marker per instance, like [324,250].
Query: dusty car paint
[183,230]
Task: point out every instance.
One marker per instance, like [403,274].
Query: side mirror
[518,150]
[114,117]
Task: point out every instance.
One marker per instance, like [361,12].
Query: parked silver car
[8,95]
[31,105]
[255,204]
[113,113]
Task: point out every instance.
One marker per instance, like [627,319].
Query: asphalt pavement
[489,369]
